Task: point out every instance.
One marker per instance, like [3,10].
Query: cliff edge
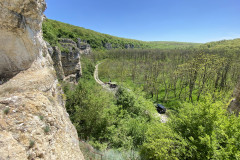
[34,123]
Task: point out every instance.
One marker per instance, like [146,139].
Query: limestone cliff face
[70,60]
[67,62]
[34,123]
[235,103]
[83,46]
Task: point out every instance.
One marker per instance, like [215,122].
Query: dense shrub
[198,131]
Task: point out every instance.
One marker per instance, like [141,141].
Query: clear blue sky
[153,20]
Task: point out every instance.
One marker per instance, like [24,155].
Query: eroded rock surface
[235,103]
[71,59]
[34,123]
[67,62]
[20,31]
[84,47]
[57,59]
[108,46]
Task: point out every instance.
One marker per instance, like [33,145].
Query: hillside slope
[224,44]
[53,30]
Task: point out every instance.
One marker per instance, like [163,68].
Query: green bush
[198,131]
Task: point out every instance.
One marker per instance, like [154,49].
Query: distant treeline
[170,74]
[53,30]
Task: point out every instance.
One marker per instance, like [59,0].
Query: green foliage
[135,105]
[175,75]
[31,143]
[195,82]
[6,110]
[109,154]
[41,117]
[53,30]
[198,131]
[223,45]
[106,121]
[171,44]
[46,129]
[163,143]
[95,115]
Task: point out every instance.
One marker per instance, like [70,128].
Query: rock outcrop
[108,46]
[67,62]
[129,46]
[70,59]
[84,47]
[19,35]
[34,123]
[235,103]
[57,59]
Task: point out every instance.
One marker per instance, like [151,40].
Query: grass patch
[41,117]
[31,143]
[46,129]
[6,110]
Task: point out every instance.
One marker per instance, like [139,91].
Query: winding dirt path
[105,86]
[96,76]
[163,117]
